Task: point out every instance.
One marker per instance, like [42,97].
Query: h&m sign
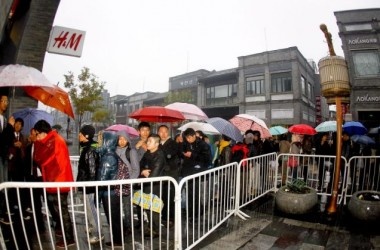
[66,41]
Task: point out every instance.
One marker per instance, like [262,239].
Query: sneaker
[58,233]
[96,239]
[29,210]
[5,220]
[27,217]
[61,243]
[148,233]
[115,244]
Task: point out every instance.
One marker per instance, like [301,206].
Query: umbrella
[204,127]
[278,130]
[374,130]
[245,122]
[226,128]
[189,111]
[36,85]
[121,127]
[157,114]
[31,116]
[354,128]
[53,96]
[15,75]
[326,126]
[302,129]
[363,139]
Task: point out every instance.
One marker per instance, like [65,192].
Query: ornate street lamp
[335,83]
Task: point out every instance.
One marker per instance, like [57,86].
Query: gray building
[278,86]
[359,31]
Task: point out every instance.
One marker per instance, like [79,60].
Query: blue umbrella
[226,128]
[354,128]
[278,130]
[363,139]
[31,116]
[327,126]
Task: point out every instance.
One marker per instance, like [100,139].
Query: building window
[309,91]
[255,85]
[356,27]
[281,82]
[222,94]
[303,85]
[366,63]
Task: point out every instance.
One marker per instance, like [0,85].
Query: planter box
[293,203]
[365,210]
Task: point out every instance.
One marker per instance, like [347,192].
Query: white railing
[202,202]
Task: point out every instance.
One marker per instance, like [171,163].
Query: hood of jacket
[109,142]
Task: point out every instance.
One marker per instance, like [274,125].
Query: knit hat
[88,131]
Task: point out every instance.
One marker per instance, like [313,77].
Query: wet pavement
[268,228]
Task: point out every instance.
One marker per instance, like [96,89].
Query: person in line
[16,170]
[295,148]
[6,131]
[152,165]
[141,146]
[108,170]
[33,174]
[197,158]
[170,149]
[87,171]
[129,168]
[141,143]
[284,148]
[52,155]
[324,147]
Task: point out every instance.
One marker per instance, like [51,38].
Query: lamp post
[336,88]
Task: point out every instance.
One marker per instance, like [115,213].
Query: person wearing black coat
[197,158]
[152,164]
[170,149]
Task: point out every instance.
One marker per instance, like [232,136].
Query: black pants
[56,213]
[111,204]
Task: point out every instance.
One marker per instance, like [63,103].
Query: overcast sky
[135,46]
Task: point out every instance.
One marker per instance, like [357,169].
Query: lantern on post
[335,83]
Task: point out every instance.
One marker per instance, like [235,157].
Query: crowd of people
[44,156]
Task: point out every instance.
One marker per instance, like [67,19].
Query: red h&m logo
[66,41]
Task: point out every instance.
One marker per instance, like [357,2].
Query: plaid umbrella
[245,122]
[226,128]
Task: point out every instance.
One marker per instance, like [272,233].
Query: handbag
[292,161]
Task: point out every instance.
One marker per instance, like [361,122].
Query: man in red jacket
[52,155]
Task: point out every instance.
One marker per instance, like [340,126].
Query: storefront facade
[359,31]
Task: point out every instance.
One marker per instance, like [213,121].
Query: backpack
[239,151]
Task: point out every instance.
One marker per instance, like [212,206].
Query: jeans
[58,214]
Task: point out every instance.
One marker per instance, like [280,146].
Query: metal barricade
[23,231]
[208,200]
[363,173]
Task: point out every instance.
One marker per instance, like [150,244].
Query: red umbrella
[157,114]
[302,129]
[52,96]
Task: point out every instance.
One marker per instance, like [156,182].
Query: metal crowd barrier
[202,202]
